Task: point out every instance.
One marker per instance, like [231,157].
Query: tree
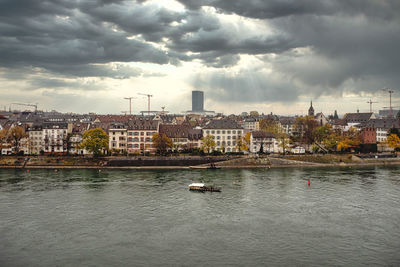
[394,130]
[305,127]
[349,140]
[14,136]
[393,141]
[3,136]
[284,141]
[269,125]
[162,143]
[254,113]
[95,141]
[208,143]
[322,133]
[246,141]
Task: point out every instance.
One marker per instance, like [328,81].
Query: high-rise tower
[197,101]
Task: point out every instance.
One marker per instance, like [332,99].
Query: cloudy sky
[271,56]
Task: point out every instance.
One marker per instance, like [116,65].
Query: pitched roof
[287,120]
[385,123]
[222,124]
[143,124]
[357,117]
[175,131]
[262,134]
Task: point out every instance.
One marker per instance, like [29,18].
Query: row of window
[223,132]
[223,137]
[223,143]
[135,133]
[135,139]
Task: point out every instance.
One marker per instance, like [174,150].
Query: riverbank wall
[192,162]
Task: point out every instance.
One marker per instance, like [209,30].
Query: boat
[202,187]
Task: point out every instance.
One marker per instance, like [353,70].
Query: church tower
[311,110]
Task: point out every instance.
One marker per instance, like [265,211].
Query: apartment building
[225,133]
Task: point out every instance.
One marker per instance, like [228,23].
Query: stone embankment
[195,162]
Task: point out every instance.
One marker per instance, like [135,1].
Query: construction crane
[370,105]
[24,104]
[390,95]
[130,103]
[148,102]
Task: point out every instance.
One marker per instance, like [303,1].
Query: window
[234,132]
[212,132]
[218,137]
[228,132]
[218,132]
[207,132]
[223,132]
[228,137]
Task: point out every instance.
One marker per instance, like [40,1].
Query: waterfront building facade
[226,134]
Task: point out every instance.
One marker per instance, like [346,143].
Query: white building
[268,142]
[36,140]
[54,137]
[226,134]
[117,137]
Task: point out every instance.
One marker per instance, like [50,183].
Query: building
[117,137]
[266,140]
[36,140]
[251,124]
[75,140]
[357,118]
[311,110]
[140,135]
[198,101]
[381,126]
[321,119]
[368,135]
[198,104]
[288,125]
[183,136]
[226,134]
[54,137]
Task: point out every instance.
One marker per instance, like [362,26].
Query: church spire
[311,110]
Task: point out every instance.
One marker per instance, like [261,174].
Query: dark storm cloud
[152,21]
[277,8]
[40,38]
[350,46]
[315,47]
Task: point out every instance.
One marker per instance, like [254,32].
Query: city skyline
[88,56]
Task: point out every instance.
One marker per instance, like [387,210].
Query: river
[346,217]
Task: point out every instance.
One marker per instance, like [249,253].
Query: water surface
[347,217]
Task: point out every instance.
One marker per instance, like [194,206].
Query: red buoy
[309,182]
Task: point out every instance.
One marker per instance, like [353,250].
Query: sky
[271,56]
